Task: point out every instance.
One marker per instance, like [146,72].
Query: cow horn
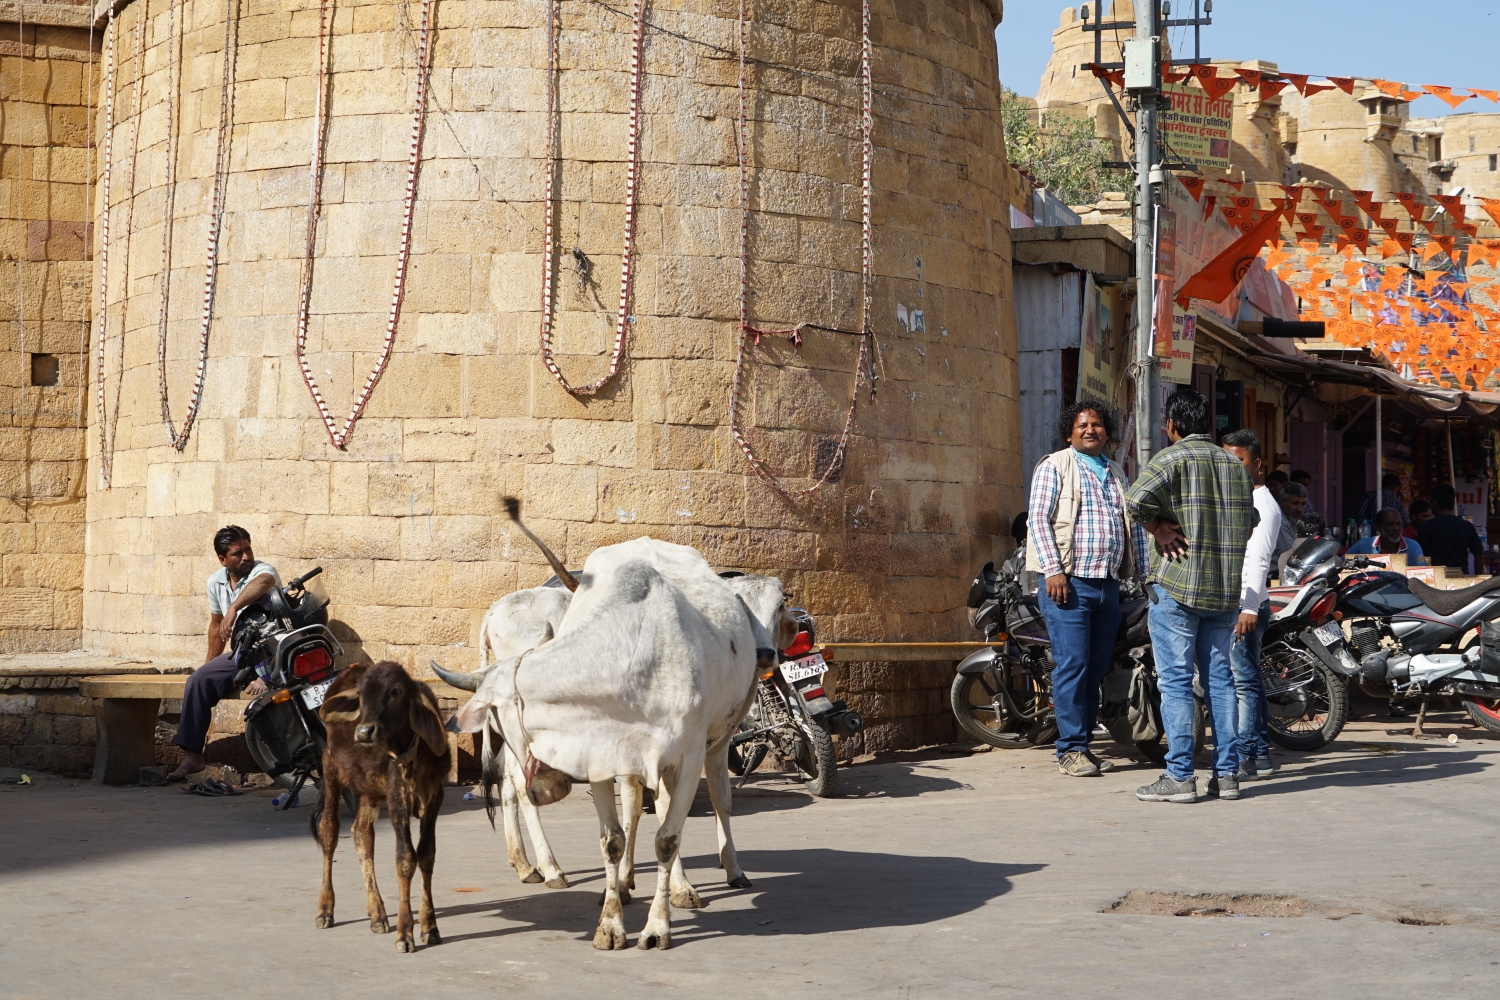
[513,508]
[458,678]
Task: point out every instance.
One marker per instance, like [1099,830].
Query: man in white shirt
[241,582]
[1255,612]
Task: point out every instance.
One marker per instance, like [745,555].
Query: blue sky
[1450,44]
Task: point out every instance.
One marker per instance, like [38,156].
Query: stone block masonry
[406,521]
[46,68]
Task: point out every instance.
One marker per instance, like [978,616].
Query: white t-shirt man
[1261,551]
[221,593]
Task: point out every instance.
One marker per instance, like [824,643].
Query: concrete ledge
[1099,249]
[52,15]
[899,652]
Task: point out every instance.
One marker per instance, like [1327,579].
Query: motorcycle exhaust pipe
[846,723]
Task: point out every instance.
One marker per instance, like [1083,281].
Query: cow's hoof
[325,921]
[609,937]
[650,939]
[739,882]
[532,877]
[406,945]
[629,882]
[380,925]
[558,881]
[432,937]
[686,899]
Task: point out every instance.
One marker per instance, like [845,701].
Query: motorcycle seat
[1451,602]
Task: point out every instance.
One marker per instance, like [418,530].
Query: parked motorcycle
[1304,656]
[793,714]
[285,641]
[1412,640]
[1003,695]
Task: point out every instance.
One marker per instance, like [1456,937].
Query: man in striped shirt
[1082,545]
[1196,498]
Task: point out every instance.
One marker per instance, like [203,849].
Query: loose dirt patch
[1142,902]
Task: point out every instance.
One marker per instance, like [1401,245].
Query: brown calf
[386,744]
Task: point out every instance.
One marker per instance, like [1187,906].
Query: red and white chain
[106,444]
[632,161]
[339,437]
[215,228]
[168,204]
[753,333]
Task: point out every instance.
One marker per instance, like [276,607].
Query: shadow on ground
[811,891]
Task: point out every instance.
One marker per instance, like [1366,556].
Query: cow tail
[490,772]
[314,816]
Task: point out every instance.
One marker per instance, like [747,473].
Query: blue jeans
[1251,691]
[1082,630]
[1180,637]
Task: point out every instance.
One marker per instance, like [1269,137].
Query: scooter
[284,640]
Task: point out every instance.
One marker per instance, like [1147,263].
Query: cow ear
[470,717]
[342,707]
[426,721]
[546,635]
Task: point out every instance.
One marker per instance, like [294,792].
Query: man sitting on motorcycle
[241,582]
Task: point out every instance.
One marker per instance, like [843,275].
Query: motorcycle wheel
[1485,711]
[1322,721]
[263,756]
[972,699]
[1156,750]
[815,761]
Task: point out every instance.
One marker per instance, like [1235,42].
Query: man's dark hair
[1276,476]
[1244,438]
[1390,481]
[1443,498]
[1418,507]
[1070,417]
[1293,490]
[1188,411]
[1311,526]
[227,536]
[1301,476]
[1387,512]
[1018,527]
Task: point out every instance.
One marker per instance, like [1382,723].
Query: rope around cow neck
[549,242]
[794,334]
[339,436]
[178,438]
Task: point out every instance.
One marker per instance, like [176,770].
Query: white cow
[650,670]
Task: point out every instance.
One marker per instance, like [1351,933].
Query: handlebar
[303,578]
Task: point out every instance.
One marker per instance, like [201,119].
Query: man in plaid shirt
[1384,498]
[1082,544]
[1196,499]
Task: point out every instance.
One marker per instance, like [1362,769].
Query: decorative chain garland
[339,437]
[867,259]
[106,440]
[632,163]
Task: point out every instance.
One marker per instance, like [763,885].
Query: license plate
[313,696]
[1331,633]
[803,668]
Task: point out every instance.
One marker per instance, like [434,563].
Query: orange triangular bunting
[1445,94]
[1388,86]
[1194,186]
[1344,83]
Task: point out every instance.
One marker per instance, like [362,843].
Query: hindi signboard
[1197,127]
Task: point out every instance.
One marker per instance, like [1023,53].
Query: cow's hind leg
[683,895]
[632,801]
[673,813]
[610,934]
[551,871]
[426,853]
[515,847]
[363,835]
[327,831]
[716,767]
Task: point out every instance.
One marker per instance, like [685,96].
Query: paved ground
[932,876]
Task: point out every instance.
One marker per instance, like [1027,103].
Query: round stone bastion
[407,520]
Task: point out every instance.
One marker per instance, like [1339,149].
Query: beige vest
[1065,516]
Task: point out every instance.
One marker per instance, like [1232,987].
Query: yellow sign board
[1197,128]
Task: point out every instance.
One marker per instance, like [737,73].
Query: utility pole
[1143,82]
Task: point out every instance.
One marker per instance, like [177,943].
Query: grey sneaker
[1169,789]
[1100,763]
[1264,768]
[1225,786]
[1076,764]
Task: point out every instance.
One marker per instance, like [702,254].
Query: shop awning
[1423,399]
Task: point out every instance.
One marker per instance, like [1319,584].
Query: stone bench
[126,707]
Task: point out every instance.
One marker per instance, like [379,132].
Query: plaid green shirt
[1203,488]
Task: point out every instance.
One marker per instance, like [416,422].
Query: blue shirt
[1094,463]
[1409,548]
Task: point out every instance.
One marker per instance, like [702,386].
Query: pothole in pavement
[1181,904]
